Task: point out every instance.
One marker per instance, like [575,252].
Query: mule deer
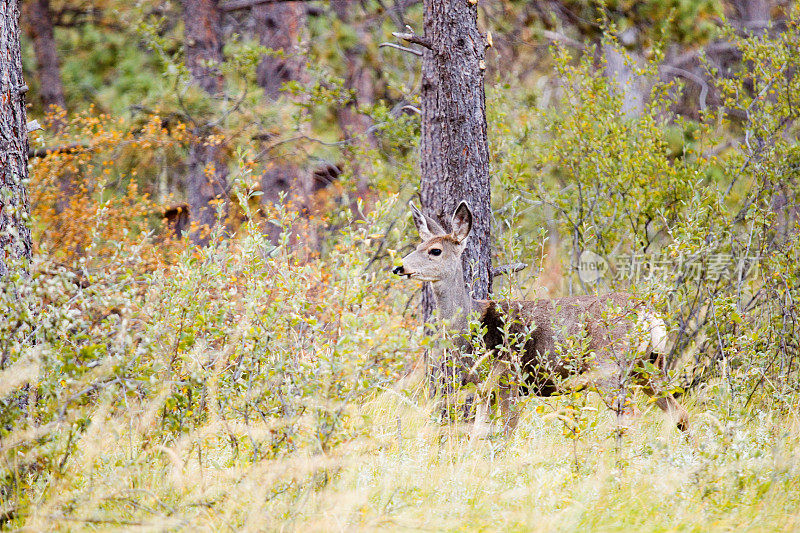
[602,342]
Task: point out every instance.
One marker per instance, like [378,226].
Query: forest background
[204,330]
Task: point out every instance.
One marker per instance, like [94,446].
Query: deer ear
[426,226]
[462,222]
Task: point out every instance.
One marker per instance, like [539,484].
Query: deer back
[553,339]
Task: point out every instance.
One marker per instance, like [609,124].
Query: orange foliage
[86,196]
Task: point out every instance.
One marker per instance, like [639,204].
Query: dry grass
[403,471]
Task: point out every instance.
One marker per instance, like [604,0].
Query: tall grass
[403,471]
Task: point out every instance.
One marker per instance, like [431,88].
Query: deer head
[438,258]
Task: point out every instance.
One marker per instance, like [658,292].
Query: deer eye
[435,251]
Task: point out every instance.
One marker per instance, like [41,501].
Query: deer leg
[509,396]
[483,396]
[653,386]
[482,425]
[609,381]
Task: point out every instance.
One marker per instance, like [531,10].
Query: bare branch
[413,38]
[403,48]
[48,150]
[691,76]
[559,37]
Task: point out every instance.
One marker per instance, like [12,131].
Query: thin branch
[403,48]
[559,37]
[413,38]
[691,76]
[48,150]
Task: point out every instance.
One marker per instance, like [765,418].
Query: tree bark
[753,14]
[279,26]
[631,86]
[454,146]
[207,180]
[40,30]
[15,236]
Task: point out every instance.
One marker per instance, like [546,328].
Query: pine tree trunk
[454,150]
[15,236]
[39,19]
[632,87]
[753,14]
[40,30]
[279,27]
[207,179]
[454,146]
[359,80]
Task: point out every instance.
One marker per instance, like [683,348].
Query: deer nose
[398,270]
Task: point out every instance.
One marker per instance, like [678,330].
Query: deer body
[551,345]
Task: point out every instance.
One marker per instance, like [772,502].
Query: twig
[695,78]
[115,521]
[48,150]
[558,37]
[402,48]
[413,38]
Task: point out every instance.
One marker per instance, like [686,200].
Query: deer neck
[453,302]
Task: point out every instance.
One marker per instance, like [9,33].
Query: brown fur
[542,366]
[546,325]
[542,346]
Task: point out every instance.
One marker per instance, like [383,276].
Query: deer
[600,342]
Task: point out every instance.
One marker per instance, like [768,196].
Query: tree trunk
[51,89]
[207,180]
[15,236]
[279,27]
[631,86]
[359,80]
[753,14]
[454,146]
[40,30]
[455,151]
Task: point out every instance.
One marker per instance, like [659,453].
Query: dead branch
[561,38]
[402,48]
[413,38]
[49,150]
[693,77]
